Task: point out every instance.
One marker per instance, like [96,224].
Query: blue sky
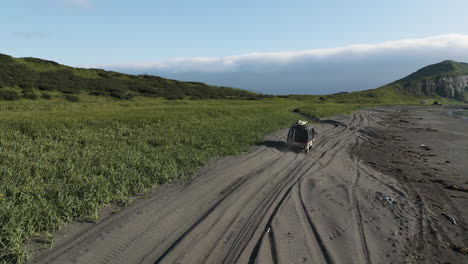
[118,31]
[128,34]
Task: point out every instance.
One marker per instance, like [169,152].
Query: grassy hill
[448,79]
[447,68]
[33,78]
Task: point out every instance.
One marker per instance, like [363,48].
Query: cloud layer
[233,63]
[348,68]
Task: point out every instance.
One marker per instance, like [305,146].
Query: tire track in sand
[234,210]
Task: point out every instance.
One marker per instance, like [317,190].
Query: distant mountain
[447,68]
[445,82]
[33,78]
[447,79]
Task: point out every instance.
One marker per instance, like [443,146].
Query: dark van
[301,135]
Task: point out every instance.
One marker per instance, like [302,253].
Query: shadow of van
[280,145]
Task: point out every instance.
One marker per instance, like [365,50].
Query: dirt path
[270,205]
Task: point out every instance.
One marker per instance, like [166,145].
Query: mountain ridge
[446,68]
[447,79]
[32,78]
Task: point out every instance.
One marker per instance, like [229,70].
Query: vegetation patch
[31,75]
[63,160]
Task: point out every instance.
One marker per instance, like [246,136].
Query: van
[301,135]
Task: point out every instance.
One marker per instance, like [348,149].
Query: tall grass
[67,162]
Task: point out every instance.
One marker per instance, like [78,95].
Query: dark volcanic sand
[367,193]
[427,152]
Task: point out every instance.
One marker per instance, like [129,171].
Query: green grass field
[63,160]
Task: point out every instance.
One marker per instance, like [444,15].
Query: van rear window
[300,134]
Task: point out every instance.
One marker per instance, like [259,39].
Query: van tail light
[307,141]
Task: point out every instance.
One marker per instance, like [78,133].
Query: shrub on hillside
[70,90]
[71,98]
[9,95]
[45,96]
[372,95]
[174,94]
[142,87]
[30,95]
[121,94]
[196,97]
[26,84]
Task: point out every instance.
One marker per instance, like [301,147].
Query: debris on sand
[425,147]
[389,200]
[381,197]
[450,218]
[459,249]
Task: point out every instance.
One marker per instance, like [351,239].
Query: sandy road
[269,205]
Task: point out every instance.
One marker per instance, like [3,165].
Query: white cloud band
[259,59]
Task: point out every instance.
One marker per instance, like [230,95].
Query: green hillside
[446,79]
[391,94]
[447,68]
[33,78]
